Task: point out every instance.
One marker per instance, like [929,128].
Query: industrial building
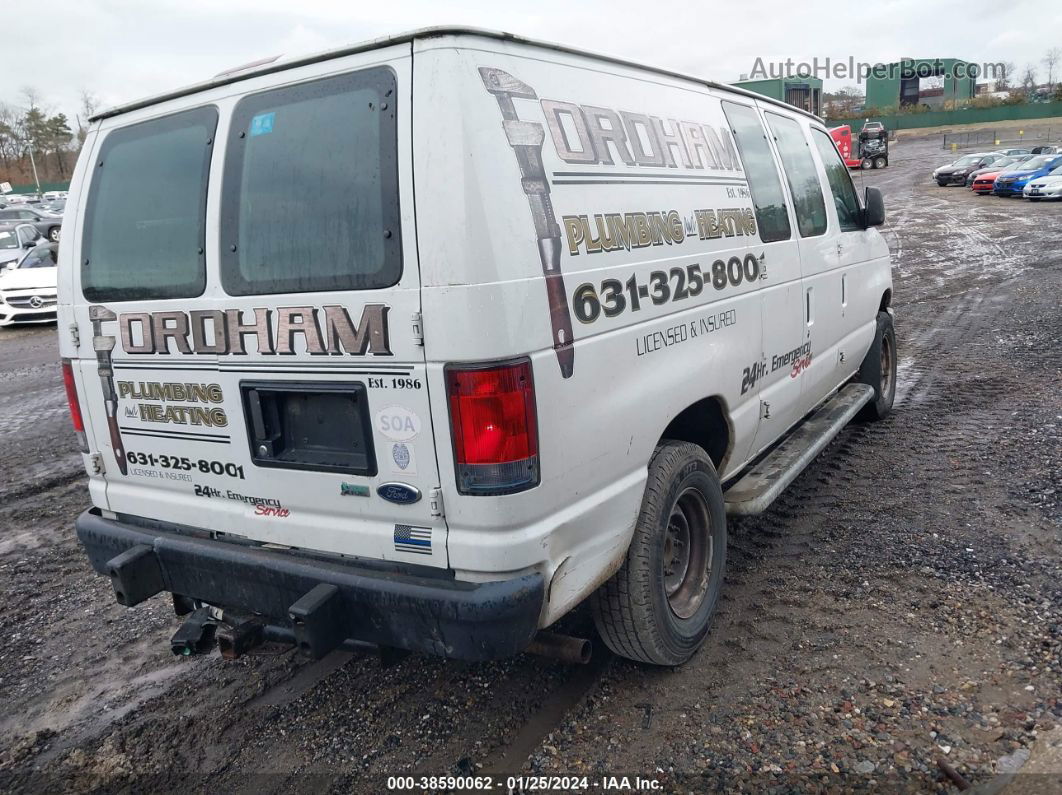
[930,82]
[799,91]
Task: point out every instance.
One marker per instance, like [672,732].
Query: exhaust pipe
[561,647]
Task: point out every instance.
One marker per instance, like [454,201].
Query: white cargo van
[423,342]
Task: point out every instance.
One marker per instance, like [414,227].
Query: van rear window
[310,195]
[146,213]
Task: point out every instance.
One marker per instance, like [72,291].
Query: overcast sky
[125,49]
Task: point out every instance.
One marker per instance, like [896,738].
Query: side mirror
[873,208]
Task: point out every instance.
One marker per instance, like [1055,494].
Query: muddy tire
[658,607]
[879,370]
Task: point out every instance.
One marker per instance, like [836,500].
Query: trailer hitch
[239,634]
[196,634]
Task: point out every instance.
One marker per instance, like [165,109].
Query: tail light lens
[495,427]
[74,404]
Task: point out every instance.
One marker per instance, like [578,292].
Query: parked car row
[49,224]
[28,275]
[1009,172]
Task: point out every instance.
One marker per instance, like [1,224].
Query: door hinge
[418,329]
[435,502]
[765,410]
[75,335]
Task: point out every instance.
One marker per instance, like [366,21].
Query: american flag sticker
[413,539]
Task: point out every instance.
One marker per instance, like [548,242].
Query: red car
[984,183]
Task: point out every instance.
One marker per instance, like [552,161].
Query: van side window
[759,164]
[310,193]
[844,194]
[145,221]
[800,171]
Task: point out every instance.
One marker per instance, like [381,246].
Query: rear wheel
[880,162]
[866,163]
[658,607]
[879,370]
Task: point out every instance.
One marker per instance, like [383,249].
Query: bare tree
[1028,81]
[1004,74]
[90,103]
[849,97]
[1051,61]
[31,96]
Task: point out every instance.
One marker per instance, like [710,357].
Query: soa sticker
[397,423]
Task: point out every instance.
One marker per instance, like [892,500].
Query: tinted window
[800,171]
[756,157]
[41,257]
[844,195]
[145,220]
[8,239]
[310,198]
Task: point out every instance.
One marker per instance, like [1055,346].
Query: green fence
[945,118]
[45,186]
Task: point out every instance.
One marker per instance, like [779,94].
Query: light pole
[33,162]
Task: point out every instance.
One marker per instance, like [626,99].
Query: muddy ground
[901,604]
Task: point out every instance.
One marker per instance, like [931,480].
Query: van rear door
[248,300]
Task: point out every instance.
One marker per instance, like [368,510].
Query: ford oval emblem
[398,493]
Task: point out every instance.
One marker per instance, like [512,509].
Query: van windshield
[145,220]
[310,193]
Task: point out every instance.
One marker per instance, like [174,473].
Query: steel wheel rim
[887,370]
[688,553]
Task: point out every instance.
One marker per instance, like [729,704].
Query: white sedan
[28,287]
[1049,187]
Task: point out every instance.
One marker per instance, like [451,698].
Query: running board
[761,485]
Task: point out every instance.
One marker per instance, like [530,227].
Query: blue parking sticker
[262,123]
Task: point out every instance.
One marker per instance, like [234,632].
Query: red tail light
[74,403]
[495,427]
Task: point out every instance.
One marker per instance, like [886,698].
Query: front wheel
[880,162]
[879,370]
[658,607]
[866,163]
[53,234]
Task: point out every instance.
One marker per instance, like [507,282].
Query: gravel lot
[899,606]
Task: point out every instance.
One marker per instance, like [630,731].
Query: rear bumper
[470,621]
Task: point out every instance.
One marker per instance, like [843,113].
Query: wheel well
[886,300]
[705,424]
